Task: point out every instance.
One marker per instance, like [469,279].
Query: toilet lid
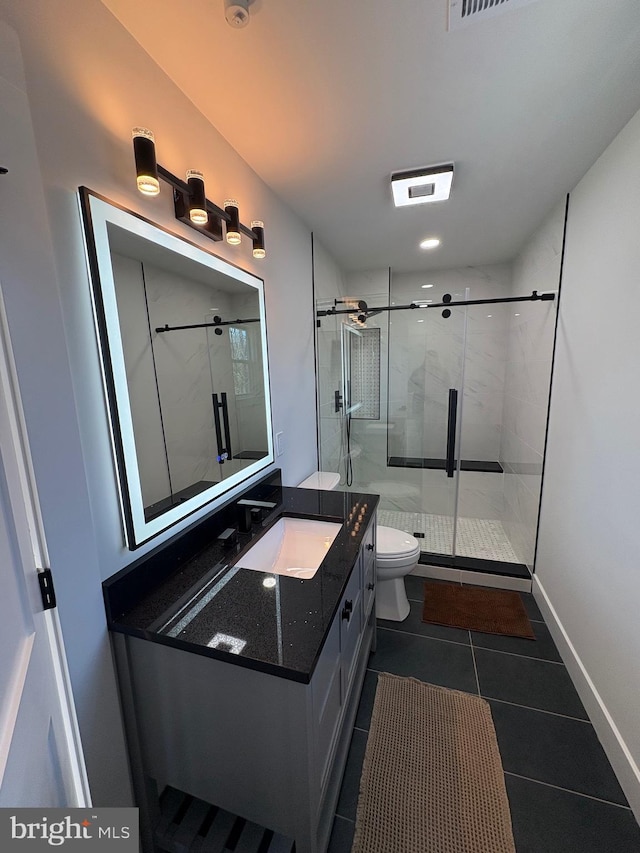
[394,543]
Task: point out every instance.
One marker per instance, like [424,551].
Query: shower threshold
[476,564]
[482,544]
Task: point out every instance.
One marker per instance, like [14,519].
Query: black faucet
[250,511]
[228,537]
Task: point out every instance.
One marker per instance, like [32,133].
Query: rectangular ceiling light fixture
[422,185]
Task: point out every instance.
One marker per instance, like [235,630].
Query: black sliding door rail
[166,328]
[369,312]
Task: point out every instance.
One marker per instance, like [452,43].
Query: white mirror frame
[98,212]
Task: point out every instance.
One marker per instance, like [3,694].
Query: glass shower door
[426,364]
[237,396]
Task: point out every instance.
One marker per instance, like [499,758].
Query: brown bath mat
[493,611]
[432,778]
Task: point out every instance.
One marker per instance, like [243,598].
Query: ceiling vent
[464,12]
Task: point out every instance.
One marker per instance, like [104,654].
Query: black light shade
[197,200]
[144,151]
[233,223]
[257,226]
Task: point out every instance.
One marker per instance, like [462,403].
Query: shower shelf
[440,464]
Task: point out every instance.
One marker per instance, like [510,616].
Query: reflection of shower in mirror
[187,382]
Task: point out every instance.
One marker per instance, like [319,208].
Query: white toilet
[397,554]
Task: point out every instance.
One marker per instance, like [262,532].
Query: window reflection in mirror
[184,351]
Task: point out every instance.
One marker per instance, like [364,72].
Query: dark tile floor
[563,794]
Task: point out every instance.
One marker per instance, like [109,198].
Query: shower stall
[433,392]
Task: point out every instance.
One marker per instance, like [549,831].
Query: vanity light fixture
[197,200]
[144,151]
[257,226]
[418,186]
[191,205]
[233,222]
[423,286]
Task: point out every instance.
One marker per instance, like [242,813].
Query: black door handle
[224,445]
[216,418]
[225,423]
[451,432]
[347,610]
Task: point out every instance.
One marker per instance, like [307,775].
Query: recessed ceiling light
[419,186]
[426,285]
[430,243]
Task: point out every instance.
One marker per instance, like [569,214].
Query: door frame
[23,496]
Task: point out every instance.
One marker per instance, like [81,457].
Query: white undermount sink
[293,546]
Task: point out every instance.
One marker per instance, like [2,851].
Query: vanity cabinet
[267,748]
[368,555]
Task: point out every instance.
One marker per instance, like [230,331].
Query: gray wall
[88,84]
[587,568]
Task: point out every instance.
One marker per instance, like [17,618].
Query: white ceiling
[325,98]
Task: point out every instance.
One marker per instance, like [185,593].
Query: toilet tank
[325,481]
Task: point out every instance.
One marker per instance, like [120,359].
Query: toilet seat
[395,547]
[397,553]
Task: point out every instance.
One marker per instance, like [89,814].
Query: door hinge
[45,579]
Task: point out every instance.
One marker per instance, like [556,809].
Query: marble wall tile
[184,369]
[485,362]
[428,358]
[370,285]
[521,517]
[143,398]
[483,281]
[529,380]
[530,346]
[530,425]
[480,443]
[518,457]
[481,495]
[330,431]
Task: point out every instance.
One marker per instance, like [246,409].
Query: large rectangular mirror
[184,350]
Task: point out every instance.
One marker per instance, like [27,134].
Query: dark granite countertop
[191,594]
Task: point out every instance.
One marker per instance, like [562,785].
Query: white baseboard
[477,578]
[622,761]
